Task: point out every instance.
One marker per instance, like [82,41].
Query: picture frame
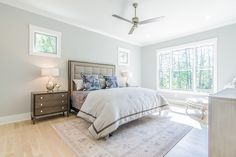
[44,42]
[123,57]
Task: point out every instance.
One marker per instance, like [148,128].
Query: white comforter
[108,109]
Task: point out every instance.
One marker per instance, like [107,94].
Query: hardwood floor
[195,143]
[26,140]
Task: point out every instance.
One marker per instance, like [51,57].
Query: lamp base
[50,86]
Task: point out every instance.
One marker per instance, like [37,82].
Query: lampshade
[49,72]
[124,73]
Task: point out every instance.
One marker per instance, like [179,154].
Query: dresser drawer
[53,97]
[51,103]
[48,110]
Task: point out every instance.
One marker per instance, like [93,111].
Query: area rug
[150,136]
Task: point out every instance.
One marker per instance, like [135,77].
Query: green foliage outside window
[177,69]
[45,43]
[165,71]
[182,80]
[204,73]
[164,79]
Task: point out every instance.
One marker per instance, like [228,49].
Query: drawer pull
[41,104]
[63,95]
[62,101]
[41,111]
[62,107]
[41,97]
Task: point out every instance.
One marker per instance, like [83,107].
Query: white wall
[226,57]
[20,73]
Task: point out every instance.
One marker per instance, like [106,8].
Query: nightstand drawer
[51,103]
[48,110]
[53,97]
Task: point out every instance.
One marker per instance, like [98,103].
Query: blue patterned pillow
[111,81]
[91,82]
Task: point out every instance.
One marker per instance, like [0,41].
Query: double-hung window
[190,67]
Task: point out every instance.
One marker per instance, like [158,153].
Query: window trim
[35,29]
[193,45]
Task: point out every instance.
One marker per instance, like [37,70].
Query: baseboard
[14,118]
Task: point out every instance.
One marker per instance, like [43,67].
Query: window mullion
[194,69]
[171,68]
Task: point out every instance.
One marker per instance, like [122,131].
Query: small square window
[123,56]
[44,42]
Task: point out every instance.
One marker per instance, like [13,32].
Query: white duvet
[108,109]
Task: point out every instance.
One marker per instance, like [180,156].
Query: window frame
[43,31]
[193,45]
[127,53]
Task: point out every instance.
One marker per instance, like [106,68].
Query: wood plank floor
[26,140]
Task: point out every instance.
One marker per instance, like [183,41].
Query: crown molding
[47,14]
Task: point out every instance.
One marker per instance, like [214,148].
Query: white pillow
[121,82]
[79,84]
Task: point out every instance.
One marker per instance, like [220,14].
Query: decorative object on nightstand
[48,103]
[50,72]
[232,84]
[57,86]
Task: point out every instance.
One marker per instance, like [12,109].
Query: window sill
[183,92]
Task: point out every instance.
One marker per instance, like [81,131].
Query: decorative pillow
[111,81]
[91,82]
[79,84]
[102,83]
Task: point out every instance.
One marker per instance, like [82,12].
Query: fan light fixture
[135,20]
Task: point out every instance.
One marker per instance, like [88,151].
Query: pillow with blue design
[111,81]
[91,82]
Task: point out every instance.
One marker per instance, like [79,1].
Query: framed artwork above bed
[44,42]
[123,56]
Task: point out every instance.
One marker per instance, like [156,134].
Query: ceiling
[182,17]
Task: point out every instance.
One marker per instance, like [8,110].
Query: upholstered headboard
[76,67]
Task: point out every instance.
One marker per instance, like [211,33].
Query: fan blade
[131,30]
[151,20]
[121,18]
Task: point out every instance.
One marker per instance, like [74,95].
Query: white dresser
[222,123]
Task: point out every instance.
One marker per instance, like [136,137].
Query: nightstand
[49,103]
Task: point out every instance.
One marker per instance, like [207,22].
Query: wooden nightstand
[48,103]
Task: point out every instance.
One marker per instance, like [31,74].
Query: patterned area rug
[150,136]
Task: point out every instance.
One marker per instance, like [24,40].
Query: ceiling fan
[135,20]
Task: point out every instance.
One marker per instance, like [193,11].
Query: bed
[107,109]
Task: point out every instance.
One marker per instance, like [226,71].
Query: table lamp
[126,75]
[50,72]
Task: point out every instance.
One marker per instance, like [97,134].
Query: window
[190,67]
[123,56]
[44,42]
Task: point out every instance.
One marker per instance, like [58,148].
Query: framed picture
[44,42]
[123,56]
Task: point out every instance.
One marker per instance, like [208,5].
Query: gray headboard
[76,67]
